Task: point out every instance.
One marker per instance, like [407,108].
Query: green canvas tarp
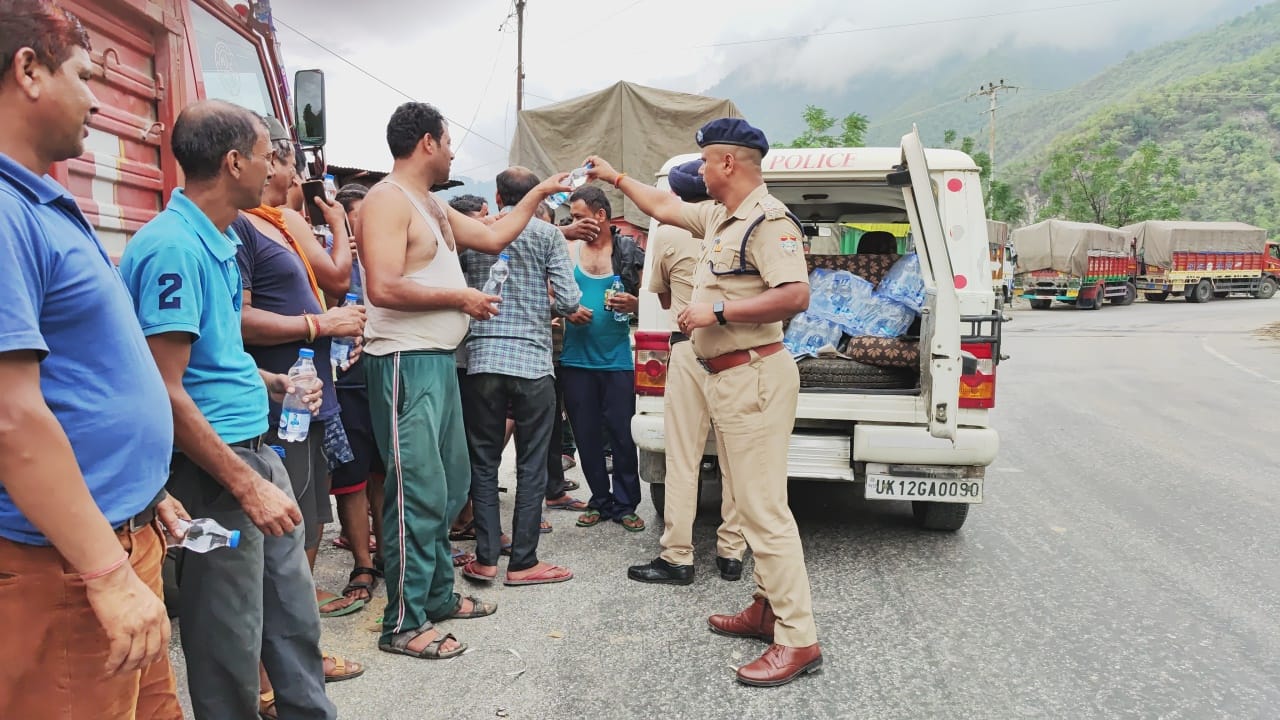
[1158,240]
[635,128]
[1064,246]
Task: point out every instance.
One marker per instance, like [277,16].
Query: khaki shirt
[676,254]
[774,252]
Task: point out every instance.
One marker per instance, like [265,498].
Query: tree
[818,121]
[1002,202]
[1089,180]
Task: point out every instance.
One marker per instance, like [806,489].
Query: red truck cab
[152,59]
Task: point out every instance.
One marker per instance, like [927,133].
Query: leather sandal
[479,609]
[399,645]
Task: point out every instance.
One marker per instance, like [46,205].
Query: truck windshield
[229,64]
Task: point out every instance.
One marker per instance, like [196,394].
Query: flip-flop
[462,557]
[631,522]
[549,574]
[353,607]
[590,518]
[545,526]
[466,532]
[567,504]
[471,570]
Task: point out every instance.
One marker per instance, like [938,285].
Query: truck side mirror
[308,107]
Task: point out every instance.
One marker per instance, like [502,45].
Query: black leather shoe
[730,569]
[661,571]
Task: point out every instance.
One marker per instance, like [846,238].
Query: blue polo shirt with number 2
[62,299]
[182,273]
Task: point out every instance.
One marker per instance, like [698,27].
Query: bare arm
[269,508]
[332,269]
[383,241]
[658,204]
[39,471]
[565,293]
[262,327]
[492,239]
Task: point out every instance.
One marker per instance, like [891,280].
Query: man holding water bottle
[418,307]
[257,600]
[751,277]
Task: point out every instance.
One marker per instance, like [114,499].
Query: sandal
[361,586]
[341,669]
[399,645]
[548,574]
[589,518]
[564,502]
[479,609]
[353,607]
[506,546]
[267,705]
[466,532]
[462,557]
[472,570]
[570,485]
[631,522]
[545,526]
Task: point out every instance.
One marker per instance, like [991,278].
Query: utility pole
[519,55]
[992,91]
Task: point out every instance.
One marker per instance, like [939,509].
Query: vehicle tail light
[653,352]
[978,390]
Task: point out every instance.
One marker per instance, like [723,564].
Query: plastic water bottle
[330,187]
[615,288]
[578,177]
[295,416]
[555,200]
[498,274]
[204,534]
[841,291]
[340,347]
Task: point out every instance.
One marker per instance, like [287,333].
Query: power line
[485,93]
[897,26]
[382,82]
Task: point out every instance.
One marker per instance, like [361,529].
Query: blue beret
[687,183]
[732,131]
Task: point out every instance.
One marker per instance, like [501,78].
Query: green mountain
[1025,132]
[1222,125]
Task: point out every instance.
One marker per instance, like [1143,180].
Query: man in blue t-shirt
[85,428]
[598,370]
[181,270]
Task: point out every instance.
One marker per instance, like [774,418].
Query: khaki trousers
[685,422]
[58,649]
[753,408]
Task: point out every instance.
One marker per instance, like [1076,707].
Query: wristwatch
[718,309]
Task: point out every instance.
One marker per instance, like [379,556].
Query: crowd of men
[171,412]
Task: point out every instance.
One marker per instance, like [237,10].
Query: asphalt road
[1124,565]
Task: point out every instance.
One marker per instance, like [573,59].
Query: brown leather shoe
[754,622]
[780,665]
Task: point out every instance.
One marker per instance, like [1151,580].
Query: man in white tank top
[419,307]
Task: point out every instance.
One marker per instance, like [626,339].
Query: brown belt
[720,363]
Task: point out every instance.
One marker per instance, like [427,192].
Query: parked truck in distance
[1203,260]
[1003,260]
[1081,264]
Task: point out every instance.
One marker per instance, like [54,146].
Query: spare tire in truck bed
[841,373]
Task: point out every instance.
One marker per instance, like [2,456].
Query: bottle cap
[503,256]
[617,278]
[234,540]
[278,450]
[352,297]
[306,353]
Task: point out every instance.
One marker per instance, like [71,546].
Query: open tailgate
[939,322]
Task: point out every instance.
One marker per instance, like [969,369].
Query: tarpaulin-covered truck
[1081,264]
[1203,260]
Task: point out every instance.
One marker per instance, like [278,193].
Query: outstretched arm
[492,239]
[658,204]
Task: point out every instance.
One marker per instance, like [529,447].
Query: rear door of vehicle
[940,321]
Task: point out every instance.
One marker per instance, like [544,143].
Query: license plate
[889,487]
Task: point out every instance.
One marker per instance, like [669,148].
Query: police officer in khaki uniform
[686,418]
[751,276]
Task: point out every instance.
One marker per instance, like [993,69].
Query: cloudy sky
[461,55]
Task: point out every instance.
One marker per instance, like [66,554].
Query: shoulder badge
[773,207]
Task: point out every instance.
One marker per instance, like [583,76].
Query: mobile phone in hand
[311,190]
